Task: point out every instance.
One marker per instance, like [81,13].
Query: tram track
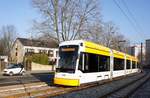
[99,90]
[128,89]
[52,91]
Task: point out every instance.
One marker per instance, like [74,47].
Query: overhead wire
[131,20]
[132,16]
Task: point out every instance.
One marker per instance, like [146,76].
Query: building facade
[23,46]
[3,58]
[136,51]
[148,52]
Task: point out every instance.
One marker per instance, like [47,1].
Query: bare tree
[8,33]
[65,19]
[76,19]
[108,35]
[1,48]
[113,38]
[93,32]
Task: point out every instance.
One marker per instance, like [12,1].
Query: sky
[20,14]
[140,12]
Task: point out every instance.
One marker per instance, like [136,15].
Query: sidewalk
[34,71]
[39,71]
[28,73]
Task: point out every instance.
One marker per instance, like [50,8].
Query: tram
[84,62]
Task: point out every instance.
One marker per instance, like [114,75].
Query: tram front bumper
[67,82]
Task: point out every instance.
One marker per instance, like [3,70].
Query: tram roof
[99,47]
[71,42]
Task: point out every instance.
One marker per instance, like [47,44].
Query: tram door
[89,67]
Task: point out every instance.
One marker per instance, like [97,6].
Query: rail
[51,91]
[128,89]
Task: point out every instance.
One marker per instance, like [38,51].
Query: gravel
[101,90]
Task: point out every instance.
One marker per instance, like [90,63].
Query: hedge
[38,58]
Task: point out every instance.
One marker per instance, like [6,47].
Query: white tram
[83,62]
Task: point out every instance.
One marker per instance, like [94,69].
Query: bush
[39,58]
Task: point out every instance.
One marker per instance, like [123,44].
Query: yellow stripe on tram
[67,82]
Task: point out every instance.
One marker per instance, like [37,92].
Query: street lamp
[118,44]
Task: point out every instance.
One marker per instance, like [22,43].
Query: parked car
[14,69]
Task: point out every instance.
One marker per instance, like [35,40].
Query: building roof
[38,43]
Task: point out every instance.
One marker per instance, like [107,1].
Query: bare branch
[66,17]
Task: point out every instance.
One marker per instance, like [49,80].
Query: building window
[42,51]
[29,50]
[57,53]
[50,53]
[26,50]
[39,51]
[16,53]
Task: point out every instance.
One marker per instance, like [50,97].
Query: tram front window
[68,58]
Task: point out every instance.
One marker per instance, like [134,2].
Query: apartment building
[23,46]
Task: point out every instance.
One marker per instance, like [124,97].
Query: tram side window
[93,62]
[90,62]
[80,62]
[128,64]
[86,63]
[118,64]
[104,63]
[133,64]
[138,66]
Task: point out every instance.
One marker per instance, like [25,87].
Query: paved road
[46,77]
